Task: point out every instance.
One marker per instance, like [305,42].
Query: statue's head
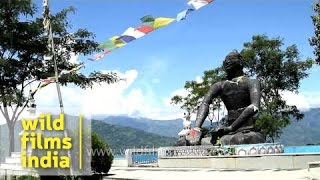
[233,62]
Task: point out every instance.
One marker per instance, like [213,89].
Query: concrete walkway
[209,174]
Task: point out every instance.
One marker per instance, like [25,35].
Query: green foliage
[315,40]
[271,126]
[100,163]
[278,71]
[23,47]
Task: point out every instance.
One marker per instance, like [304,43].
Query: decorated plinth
[209,150]
[237,157]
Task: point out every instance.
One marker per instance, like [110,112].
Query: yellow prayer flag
[117,41]
[160,22]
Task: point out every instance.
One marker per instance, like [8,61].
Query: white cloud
[74,58]
[303,100]
[109,99]
[199,79]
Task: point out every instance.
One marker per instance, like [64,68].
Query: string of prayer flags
[48,80]
[149,24]
[100,55]
[71,70]
[131,34]
[43,83]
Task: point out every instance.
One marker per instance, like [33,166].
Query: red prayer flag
[144,29]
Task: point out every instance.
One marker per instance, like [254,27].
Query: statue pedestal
[209,150]
[245,157]
[238,157]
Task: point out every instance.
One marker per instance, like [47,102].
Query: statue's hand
[194,137]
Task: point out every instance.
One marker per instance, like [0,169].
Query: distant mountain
[125,137]
[168,128]
[306,131]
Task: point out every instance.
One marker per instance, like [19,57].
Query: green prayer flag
[107,45]
[147,19]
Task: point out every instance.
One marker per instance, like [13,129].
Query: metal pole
[58,85]
[56,71]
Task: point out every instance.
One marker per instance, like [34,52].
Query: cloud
[108,99]
[125,98]
[199,79]
[74,58]
[303,100]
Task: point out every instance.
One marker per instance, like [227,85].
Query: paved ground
[209,174]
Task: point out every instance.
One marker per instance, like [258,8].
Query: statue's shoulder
[220,83]
[250,80]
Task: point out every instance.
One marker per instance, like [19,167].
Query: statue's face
[232,64]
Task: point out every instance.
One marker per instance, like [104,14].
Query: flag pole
[48,27]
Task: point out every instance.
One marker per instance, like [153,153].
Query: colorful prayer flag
[117,41]
[133,32]
[48,80]
[126,38]
[107,45]
[197,4]
[101,55]
[161,22]
[183,15]
[147,19]
[145,29]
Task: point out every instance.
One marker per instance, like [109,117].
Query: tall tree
[315,40]
[278,71]
[23,46]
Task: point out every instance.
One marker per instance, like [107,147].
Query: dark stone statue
[241,97]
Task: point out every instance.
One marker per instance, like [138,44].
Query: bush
[100,162]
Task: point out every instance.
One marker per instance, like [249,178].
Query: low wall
[246,157]
[248,162]
[120,162]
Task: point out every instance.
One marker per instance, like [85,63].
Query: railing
[142,157]
[149,157]
[209,150]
